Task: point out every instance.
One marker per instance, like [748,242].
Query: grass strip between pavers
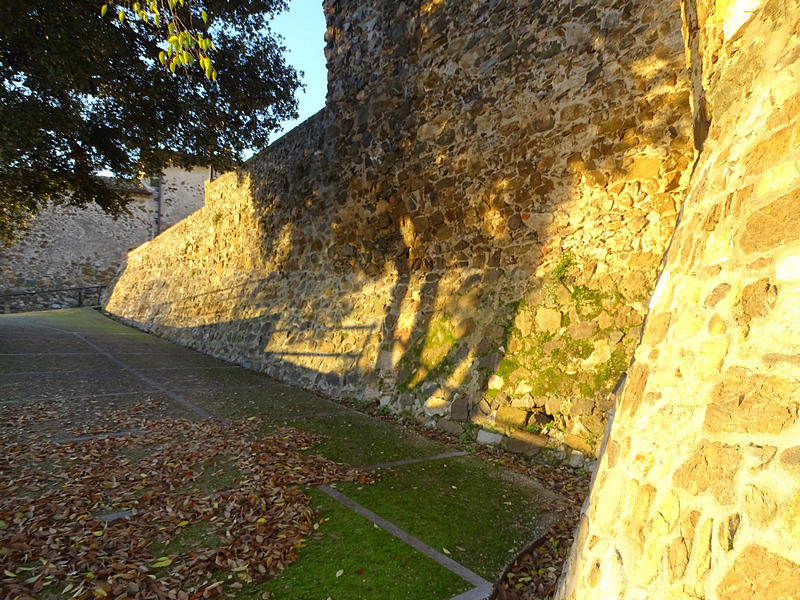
[374,565]
[362,441]
[464,507]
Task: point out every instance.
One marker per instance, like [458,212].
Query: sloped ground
[133,468]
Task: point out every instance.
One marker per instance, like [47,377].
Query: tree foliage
[184,42]
[83,92]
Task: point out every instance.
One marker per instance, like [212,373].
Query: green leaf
[164,561]
[121,15]
[103,10]
[204,14]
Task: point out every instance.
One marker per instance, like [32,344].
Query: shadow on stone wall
[469,234]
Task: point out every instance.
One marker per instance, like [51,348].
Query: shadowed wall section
[70,247]
[468,232]
[697,494]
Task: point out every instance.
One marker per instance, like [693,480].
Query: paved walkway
[467,516]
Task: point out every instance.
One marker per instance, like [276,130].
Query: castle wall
[182,192]
[68,247]
[470,230]
[698,491]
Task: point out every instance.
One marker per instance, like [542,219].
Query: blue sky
[303,30]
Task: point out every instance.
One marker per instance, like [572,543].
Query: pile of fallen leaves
[81,519]
[534,573]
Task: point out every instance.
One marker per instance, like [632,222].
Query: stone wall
[468,232]
[68,247]
[182,191]
[697,495]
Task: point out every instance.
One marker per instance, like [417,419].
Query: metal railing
[74,297]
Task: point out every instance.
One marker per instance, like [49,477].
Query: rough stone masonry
[697,494]
[472,231]
[468,233]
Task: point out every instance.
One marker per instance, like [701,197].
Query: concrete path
[462,513]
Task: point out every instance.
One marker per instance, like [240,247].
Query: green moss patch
[579,349]
[437,344]
[547,382]
[565,261]
[588,302]
[607,374]
[506,367]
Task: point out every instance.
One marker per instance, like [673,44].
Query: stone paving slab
[33,363]
[117,344]
[80,416]
[17,342]
[280,402]
[34,385]
[203,377]
[92,365]
[159,359]
[86,320]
